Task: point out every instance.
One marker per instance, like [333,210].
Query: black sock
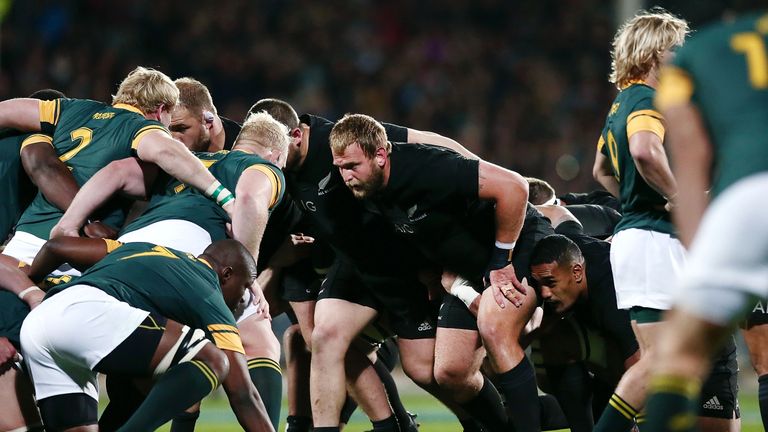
[552,416]
[268,379]
[298,424]
[185,422]
[571,385]
[488,409]
[762,396]
[389,424]
[471,425]
[347,410]
[327,429]
[403,418]
[519,388]
[176,390]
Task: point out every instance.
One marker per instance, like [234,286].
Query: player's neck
[217,141]
[387,169]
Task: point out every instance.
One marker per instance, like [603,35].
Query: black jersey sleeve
[396,133]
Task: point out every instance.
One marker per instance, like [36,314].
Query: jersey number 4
[752,45]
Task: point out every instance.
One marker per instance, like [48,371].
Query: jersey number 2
[85,136]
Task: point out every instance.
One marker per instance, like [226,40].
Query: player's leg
[756,336]
[297,365]
[458,357]
[17,405]
[337,323]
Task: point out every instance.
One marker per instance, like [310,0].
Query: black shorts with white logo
[404,303]
[758,316]
[720,392]
[300,283]
[454,314]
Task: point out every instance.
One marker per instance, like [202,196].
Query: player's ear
[226,273]
[380,156]
[578,272]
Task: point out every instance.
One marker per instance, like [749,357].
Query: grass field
[433,417]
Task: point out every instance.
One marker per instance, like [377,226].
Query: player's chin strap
[185,349]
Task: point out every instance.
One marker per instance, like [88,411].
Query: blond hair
[194,96]
[361,129]
[147,89]
[640,43]
[263,131]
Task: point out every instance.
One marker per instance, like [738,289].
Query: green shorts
[644,315]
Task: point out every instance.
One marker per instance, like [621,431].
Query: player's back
[15,187]
[724,70]
[632,111]
[86,135]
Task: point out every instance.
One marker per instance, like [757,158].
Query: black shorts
[300,283]
[758,316]
[403,303]
[455,314]
[720,392]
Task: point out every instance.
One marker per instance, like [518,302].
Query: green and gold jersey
[15,187]
[170,283]
[632,112]
[87,135]
[723,71]
[175,200]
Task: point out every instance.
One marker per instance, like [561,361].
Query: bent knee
[215,359]
[452,376]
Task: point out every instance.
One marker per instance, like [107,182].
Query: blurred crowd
[522,83]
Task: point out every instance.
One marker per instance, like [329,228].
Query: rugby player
[87,135]
[343,309]
[713,95]
[185,220]
[140,296]
[453,209]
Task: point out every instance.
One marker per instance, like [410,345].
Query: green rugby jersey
[175,200]
[87,135]
[170,283]
[12,313]
[633,111]
[723,71]
[15,187]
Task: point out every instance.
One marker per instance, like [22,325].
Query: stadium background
[522,83]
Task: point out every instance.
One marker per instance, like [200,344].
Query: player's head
[557,266]
[361,152]
[540,192]
[263,135]
[642,43]
[151,91]
[283,112]
[193,117]
[235,267]
[47,94]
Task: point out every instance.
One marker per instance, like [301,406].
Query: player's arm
[424,137]
[47,171]
[647,150]
[690,148]
[129,176]
[243,397]
[173,157]
[602,171]
[509,191]
[79,252]
[257,191]
[21,114]
[13,279]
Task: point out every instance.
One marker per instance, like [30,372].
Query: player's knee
[420,374]
[328,340]
[452,376]
[293,341]
[215,359]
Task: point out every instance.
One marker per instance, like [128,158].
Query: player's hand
[505,286]
[8,355]
[292,250]
[98,229]
[60,230]
[260,301]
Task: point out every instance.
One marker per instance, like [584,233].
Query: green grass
[217,417]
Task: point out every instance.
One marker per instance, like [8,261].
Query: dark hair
[47,94]
[539,191]
[557,248]
[280,110]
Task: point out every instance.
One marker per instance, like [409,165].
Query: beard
[370,187]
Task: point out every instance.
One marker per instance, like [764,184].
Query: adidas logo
[713,404]
[425,326]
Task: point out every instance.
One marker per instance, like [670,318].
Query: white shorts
[646,268]
[24,247]
[172,233]
[729,252]
[187,237]
[64,338]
